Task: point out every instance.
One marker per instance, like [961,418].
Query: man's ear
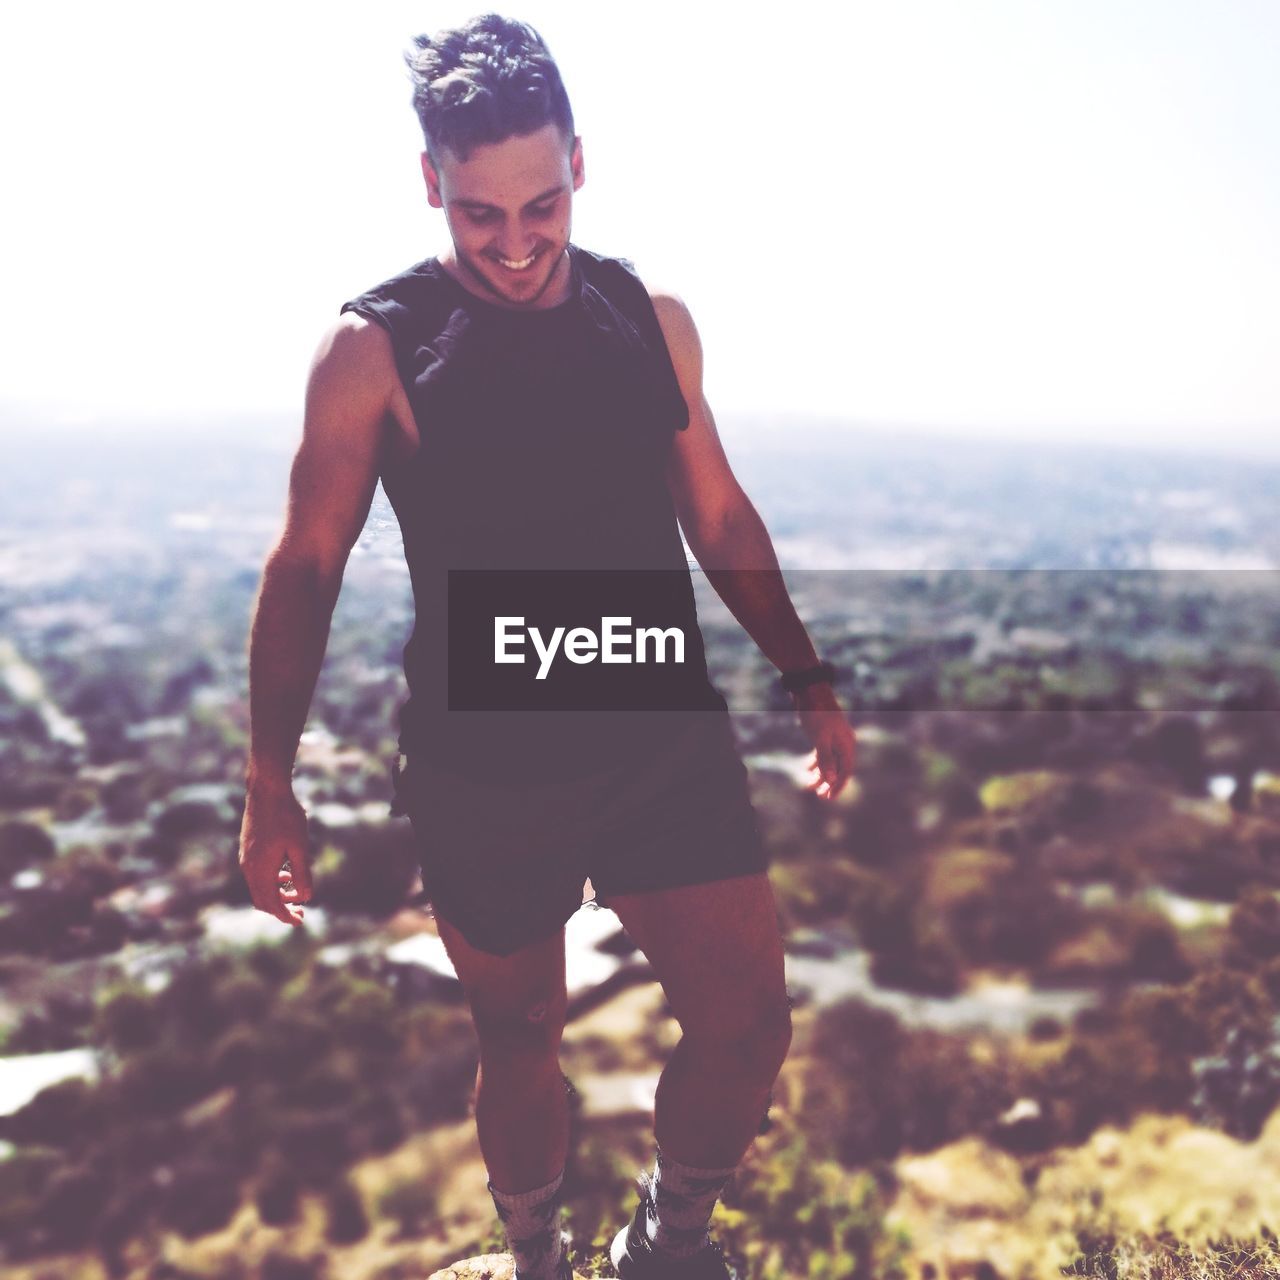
[433,182]
[575,163]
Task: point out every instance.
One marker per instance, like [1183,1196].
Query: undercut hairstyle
[488,80]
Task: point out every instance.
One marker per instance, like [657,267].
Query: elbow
[705,538]
[733,519]
[718,538]
[307,568]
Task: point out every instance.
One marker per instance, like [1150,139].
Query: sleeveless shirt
[543,442]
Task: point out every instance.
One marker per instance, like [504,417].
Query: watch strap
[821,673]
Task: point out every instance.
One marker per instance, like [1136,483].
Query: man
[535,412]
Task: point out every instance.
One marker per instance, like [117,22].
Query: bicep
[701,480]
[703,487]
[335,469]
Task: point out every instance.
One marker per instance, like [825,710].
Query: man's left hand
[828,728]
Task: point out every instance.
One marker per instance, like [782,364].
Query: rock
[488,1266]
[968,1179]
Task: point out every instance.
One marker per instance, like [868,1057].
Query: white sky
[1037,217]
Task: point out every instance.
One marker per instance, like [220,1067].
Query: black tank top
[544,437]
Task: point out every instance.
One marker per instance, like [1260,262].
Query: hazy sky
[1044,217]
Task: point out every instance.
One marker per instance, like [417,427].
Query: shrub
[318,1144]
[796,1215]
[442,1087]
[1223,998]
[381,1122]
[288,1266]
[928,965]
[811,892]
[1155,949]
[346,1220]
[364,1014]
[411,1203]
[873,1087]
[64,1114]
[163,1079]
[1109,1075]
[125,1217]
[277,1194]
[201,1197]
[236,1058]
[1254,926]
[71,1202]
[1238,1088]
[126,1021]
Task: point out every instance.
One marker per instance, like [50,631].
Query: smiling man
[536,415]
[484,236]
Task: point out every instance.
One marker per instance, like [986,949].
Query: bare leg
[711,1099]
[518,1007]
[522,1118]
[718,954]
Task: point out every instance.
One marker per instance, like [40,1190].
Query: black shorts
[507,865]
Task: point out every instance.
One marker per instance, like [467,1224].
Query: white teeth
[517,266]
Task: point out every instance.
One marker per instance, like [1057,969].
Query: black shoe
[634,1257]
[565,1271]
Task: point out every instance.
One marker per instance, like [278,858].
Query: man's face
[508,206]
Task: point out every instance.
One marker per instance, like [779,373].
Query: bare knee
[756,1045]
[532,1028]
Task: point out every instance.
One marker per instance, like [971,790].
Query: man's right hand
[355,403]
[274,831]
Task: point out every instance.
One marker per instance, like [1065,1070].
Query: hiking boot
[634,1257]
[565,1270]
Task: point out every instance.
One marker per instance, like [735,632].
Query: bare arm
[720,523]
[331,484]
[730,542]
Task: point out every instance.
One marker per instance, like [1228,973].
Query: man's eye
[545,211]
[479,216]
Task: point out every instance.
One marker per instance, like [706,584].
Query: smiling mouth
[522,265]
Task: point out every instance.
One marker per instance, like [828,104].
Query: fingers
[273,897]
[819,782]
[290,895]
[833,757]
[826,786]
[273,855]
[272,887]
[838,771]
[831,770]
[295,886]
[273,902]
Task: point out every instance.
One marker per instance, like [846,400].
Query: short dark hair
[490,79]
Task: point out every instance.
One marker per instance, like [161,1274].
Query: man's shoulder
[417,286]
[621,270]
[603,269]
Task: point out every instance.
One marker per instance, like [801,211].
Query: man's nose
[515,244]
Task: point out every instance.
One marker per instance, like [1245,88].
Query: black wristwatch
[794,681]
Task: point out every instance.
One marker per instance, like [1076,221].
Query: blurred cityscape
[1046,913]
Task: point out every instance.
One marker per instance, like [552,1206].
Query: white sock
[531,1220]
[683,1198]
